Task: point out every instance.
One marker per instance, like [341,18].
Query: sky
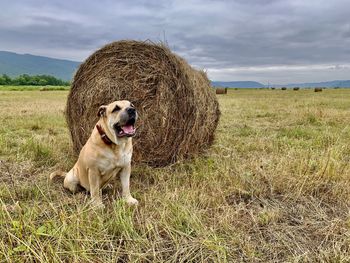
[270,41]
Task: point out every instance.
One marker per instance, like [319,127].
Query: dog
[106,153]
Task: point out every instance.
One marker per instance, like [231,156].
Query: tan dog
[106,154]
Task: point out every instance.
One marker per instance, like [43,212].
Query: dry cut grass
[274,187]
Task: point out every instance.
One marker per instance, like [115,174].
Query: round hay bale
[221,90]
[296,88]
[283,88]
[178,110]
[318,89]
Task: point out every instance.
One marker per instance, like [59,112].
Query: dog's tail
[57,173]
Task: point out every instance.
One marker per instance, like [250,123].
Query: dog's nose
[130,111]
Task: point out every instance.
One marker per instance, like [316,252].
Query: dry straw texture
[221,90]
[178,109]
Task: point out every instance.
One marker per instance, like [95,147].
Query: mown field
[32,88]
[275,187]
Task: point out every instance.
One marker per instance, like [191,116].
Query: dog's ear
[102,111]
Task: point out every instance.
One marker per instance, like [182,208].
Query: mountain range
[237,84]
[327,84]
[254,84]
[14,64]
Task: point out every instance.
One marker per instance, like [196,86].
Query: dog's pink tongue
[128,129]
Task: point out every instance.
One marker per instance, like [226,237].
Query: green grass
[32,88]
[275,187]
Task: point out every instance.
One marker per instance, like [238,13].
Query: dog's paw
[131,201]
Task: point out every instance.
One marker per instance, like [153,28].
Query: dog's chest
[110,162]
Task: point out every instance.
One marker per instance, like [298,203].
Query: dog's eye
[117,108]
[132,105]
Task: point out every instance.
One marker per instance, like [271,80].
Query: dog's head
[120,118]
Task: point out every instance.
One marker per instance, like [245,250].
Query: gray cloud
[231,39]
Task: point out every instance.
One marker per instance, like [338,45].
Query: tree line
[35,80]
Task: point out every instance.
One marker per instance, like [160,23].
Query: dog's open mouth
[128,129]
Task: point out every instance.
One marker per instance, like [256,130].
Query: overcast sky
[276,41]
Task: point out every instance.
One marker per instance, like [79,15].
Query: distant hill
[237,84]
[327,84]
[254,84]
[14,64]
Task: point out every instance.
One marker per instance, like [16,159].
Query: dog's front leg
[125,181]
[95,183]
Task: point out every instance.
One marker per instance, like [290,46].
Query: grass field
[33,88]
[275,187]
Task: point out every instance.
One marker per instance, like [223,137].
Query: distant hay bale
[178,109]
[221,90]
[44,89]
[273,88]
[296,88]
[318,89]
[283,88]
